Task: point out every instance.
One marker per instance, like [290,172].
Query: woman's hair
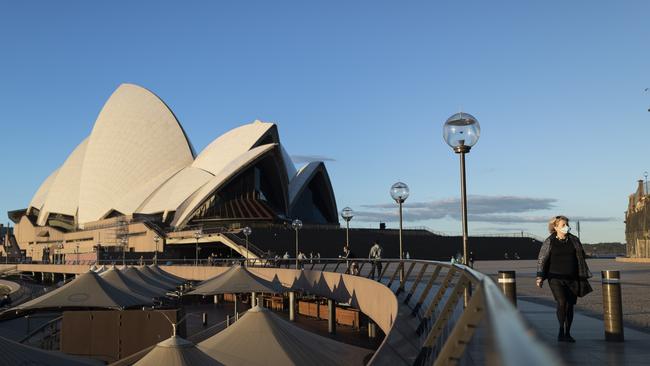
[553,222]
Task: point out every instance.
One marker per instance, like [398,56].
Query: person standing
[351,264]
[562,262]
[375,256]
[285,257]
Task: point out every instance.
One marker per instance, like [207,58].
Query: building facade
[637,223]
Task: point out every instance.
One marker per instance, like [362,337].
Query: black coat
[583,270]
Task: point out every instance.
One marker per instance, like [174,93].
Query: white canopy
[235,280]
[176,351]
[14,353]
[263,338]
[88,290]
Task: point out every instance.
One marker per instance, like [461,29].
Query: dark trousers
[564,292]
[376,266]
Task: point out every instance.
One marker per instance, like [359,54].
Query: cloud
[491,209]
[300,159]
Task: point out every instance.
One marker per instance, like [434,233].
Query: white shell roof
[136,139]
[302,178]
[137,159]
[231,145]
[39,197]
[232,168]
[175,190]
[63,195]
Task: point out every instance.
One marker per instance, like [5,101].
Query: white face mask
[565,229]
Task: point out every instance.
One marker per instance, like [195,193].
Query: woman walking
[562,262]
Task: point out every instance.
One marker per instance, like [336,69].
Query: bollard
[508,283]
[331,316]
[612,306]
[252,300]
[227,321]
[292,306]
[372,329]
[205,319]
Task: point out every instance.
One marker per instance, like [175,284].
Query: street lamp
[77,253]
[461,131]
[125,243]
[400,192]
[156,239]
[347,214]
[296,225]
[247,231]
[197,235]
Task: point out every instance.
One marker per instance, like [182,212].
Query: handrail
[441,305]
[450,302]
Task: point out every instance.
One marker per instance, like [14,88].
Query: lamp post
[461,131]
[77,253]
[347,214]
[247,231]
[296,225]
[645,188]
[125,243]
[400,192]
[197,236]
[156,239]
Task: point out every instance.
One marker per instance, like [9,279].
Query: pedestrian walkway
[590,347]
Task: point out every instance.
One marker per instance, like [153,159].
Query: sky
[557,86]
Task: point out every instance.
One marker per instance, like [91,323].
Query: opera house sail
[136,179]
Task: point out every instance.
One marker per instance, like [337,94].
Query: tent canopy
[263,338]
[142,280]
[235,280]
[14,353]
[155,278]
[176,351]
[117,279]
[88,290]
[163,273]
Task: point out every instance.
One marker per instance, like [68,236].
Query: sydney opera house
[135,184]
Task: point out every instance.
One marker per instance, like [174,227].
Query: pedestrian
[562,262]
[407,256]
[470,259]
[285,257]
[351,264]
[375,256]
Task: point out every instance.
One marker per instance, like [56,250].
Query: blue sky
[557,86]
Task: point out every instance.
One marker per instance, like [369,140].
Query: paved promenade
[538,308]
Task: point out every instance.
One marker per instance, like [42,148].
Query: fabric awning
[14,353]
[88,290]
[261,337]
[176,351]
[237,279]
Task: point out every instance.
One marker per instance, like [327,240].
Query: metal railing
[449,314]
[453,314]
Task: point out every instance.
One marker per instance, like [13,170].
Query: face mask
[565,229]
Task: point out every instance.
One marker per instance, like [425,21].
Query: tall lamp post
[125,243]
[296,225]
[400,192]
[347,214]
[197,236]
[461,131]
[156,239]
[247,231]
